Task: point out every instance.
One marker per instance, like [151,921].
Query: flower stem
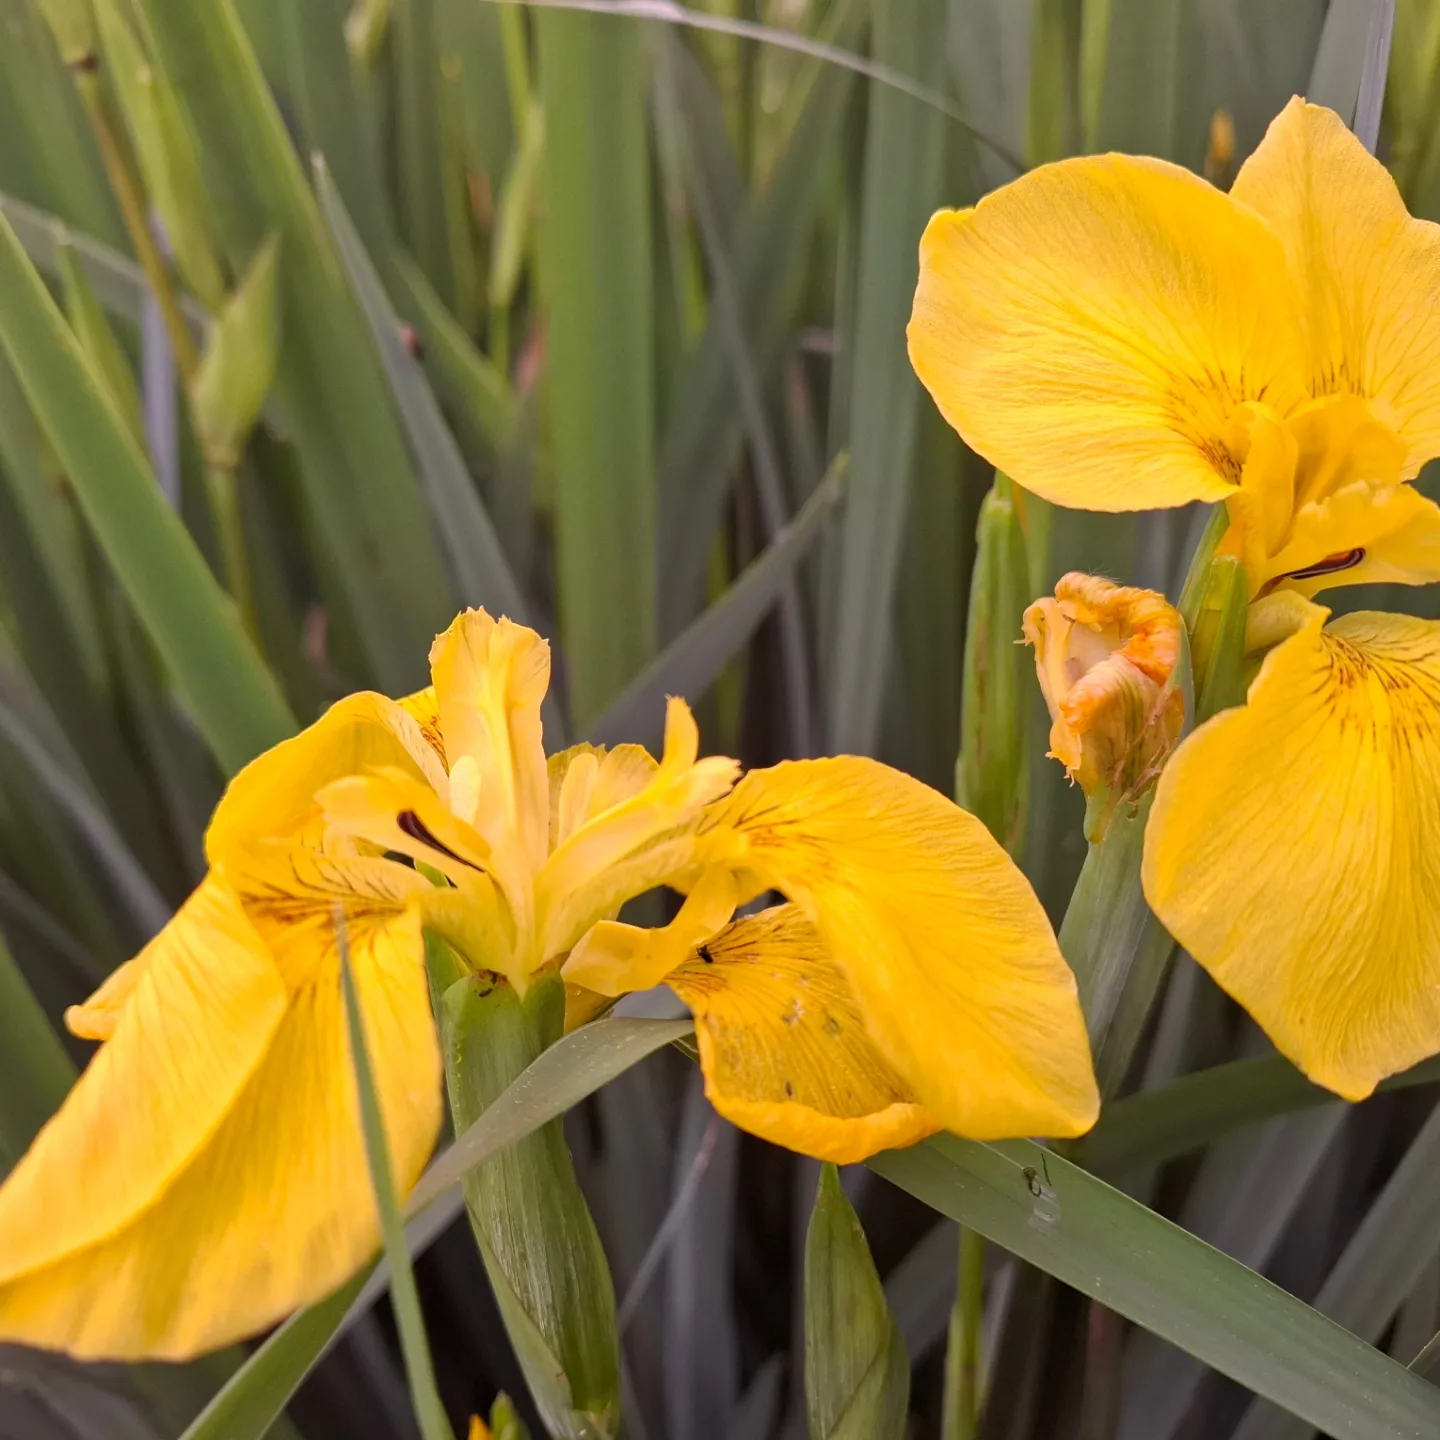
[223,488]
[131,199]
[963,1397]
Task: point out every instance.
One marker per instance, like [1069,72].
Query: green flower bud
[857,1374]
[992,777]
[71,24]
[239,363]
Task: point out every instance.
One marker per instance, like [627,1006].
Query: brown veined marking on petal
[768,976]
[422,708]
[295,914]
[416,829]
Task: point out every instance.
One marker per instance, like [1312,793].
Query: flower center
[1313,492]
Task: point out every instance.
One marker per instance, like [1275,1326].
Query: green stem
[222,486]
[533,1228]
[130,196]
[963,1397]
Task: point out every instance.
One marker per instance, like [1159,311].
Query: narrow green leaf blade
[1113,1249]
[478,566]
[330,393]
[903,167]
[596,281]
[255,1396]
[35,1069]
[770,243]
[234,698]
[419,1368]
[690,664]
[118,282]
[562,1076]
[1399,1235]
[1158,1125]
[1341,60]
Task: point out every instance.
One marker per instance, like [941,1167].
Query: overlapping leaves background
[598,320]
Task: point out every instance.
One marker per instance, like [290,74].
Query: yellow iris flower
[207,1174]
[1117,334]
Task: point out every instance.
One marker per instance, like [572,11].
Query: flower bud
[71,25]
[1106,656]
[992,775]
[239,363]
[857,1374]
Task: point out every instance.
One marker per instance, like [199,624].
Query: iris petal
[1294,847]
[1368,273]
[783,1044]
[1092,327]
[941,939]
[234,1112]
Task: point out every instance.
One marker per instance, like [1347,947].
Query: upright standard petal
[948,953]
[490,678]
[1294,847]
[592,870]
[274,1209]
[784,1047]
[1092,327]
[1368,274]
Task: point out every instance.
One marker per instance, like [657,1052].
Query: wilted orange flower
[1106,657]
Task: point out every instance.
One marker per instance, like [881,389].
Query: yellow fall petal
[1092,327]
[200,1005]
[274,1209]
[784,1047]
[490,678]
[279,786]
[946,948]
[1294,845]
[1368,274]
[96,1017]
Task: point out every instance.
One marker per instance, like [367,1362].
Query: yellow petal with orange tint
[597,784]
[1294,847]
[1368,274]
[948,952]
[590,873]
[783,1044]
[273,1210]
[614,959]
[1390,535]
[278,787]
[424,708]
[96,1017]
[1092,327]
[186,1037]
[490,679]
